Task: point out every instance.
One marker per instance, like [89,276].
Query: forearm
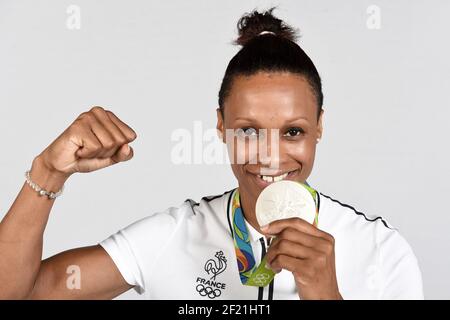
[21,233]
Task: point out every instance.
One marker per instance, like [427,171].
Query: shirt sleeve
[136,248]
[401,275]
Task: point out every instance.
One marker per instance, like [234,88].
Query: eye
[247,132]
[293,132]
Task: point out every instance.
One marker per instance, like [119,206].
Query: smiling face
[284,105]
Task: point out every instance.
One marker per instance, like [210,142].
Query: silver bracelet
[42,192]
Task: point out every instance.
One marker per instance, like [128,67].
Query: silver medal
[285,199]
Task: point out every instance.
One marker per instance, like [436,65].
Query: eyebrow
[288,121]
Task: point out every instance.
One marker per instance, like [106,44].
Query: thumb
[124,153]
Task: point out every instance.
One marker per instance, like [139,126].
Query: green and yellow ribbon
[250,274]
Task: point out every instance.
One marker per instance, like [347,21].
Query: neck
[248,205]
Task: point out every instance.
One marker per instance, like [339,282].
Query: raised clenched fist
[95,140]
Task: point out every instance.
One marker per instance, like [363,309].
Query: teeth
[279,178]
[274,179]
[267,178]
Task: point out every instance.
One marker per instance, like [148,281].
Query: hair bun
[252,24]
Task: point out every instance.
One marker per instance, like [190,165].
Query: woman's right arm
[95,140]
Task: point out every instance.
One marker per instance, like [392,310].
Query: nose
[269,149]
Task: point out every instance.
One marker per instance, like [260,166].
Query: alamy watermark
[73,20]
[73,281]
[201,146]
[373,21]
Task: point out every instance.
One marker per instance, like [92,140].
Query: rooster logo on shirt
[216,267]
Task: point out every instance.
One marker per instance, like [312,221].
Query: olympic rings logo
[261,279]
[208,291]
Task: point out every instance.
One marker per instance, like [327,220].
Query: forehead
[268,95]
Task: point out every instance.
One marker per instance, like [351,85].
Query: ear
[320,126]
[219,127]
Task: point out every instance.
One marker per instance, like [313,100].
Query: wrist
[46,177]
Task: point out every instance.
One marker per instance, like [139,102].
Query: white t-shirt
[187,252]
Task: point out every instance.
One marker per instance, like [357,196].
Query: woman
[191,251]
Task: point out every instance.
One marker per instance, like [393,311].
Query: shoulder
[352,224]
[211,204]
[337,209]
[189,210]
[157,230]
[367,232]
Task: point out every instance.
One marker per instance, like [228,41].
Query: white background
[158,65]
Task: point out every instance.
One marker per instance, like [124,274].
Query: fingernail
[127,149]
[265,227]
[267,265]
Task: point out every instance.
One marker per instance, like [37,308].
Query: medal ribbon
[250,274]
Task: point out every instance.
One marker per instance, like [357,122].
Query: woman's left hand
[308,253]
